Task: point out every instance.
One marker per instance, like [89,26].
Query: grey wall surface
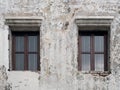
[58,45]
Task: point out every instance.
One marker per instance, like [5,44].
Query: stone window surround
[21,24]
[96,23]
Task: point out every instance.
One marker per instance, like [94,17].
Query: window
[25,50]
[93,51]
[24,42]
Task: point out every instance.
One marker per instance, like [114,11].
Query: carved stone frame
[21,24]
[96,23]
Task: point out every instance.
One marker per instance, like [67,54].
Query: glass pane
[86,62]
[32,46]
[19,44]
[19,62]
[32,62]
[99,62]
[99,43]
[86,43]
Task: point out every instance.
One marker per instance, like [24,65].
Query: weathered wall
[59,44]
[3,79]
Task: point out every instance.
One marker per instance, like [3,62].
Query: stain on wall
[58,45]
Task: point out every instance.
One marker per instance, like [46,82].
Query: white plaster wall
[4,59]
[59,44]
[24,80]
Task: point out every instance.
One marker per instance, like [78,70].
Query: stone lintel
[23,21]
[94,20]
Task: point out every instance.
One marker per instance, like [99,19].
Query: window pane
[19,44]
[32,43]
[99,43]
[32,62]
[86,62]
[19,62]
[86,43]
[99,62]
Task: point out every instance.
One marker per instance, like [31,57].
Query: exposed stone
[58,45]
[3,79]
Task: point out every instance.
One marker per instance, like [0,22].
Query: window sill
[14,71]
[96,73]
[36,71]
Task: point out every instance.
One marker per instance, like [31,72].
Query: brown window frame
[92,52]
[25,34]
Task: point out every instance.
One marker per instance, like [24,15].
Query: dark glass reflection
[32,61]
[32,43]
[19,62]
[86,62]
[99,62]
[19,44]
[85,43]
[99,43]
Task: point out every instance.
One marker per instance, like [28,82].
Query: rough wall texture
[59,45]
[3,79]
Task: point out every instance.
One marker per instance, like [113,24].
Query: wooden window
[25,51]
[93,50]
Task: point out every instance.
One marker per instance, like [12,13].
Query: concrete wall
[58,49]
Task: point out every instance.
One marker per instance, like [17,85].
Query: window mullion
[92,52]
[26,53]
[79,53]
[38,53]
[13,53]
[105,54]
